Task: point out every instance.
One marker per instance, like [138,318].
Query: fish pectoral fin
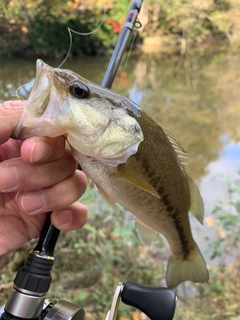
[131,176]
[145,234]
[196,207]
[107,198]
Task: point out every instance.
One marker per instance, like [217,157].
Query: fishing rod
[121,44]
[32,282]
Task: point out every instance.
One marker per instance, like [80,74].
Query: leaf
[90,229]
[217,288]
[237,206]
[81,296]
[135,316]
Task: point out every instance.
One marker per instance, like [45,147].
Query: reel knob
[156,303]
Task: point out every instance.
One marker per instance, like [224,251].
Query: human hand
[37,175]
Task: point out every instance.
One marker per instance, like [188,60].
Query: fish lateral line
[175,216]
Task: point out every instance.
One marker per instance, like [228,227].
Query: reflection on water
[198,103]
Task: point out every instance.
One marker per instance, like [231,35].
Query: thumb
[10,112]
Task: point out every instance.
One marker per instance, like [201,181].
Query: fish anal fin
[133,177]
[193,268]
[107,198]
[145,234]
[197,206]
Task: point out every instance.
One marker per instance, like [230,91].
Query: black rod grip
[48,238]
[156,303]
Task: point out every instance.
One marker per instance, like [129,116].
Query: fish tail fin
[192,268]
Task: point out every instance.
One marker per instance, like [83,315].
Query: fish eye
[79,90]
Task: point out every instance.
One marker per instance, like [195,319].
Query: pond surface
[197,100]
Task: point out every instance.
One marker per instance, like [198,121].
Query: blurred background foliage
[41,26]
[90,262]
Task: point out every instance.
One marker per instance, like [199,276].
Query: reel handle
[156,303]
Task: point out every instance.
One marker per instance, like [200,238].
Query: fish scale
[130,158]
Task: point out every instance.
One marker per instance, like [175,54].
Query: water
[198,102]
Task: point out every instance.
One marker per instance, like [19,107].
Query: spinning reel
[28,298]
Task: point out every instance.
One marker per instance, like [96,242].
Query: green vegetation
[220,298]
[226,220]
[197,20]
[90,263]
[225,283]
[41,27]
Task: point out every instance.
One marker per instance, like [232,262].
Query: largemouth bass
[129,157]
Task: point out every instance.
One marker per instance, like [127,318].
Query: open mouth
[36,103]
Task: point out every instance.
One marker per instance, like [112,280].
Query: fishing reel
[57,310]
[31,284]
[156,303]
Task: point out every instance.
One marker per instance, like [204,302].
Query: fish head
[97,122]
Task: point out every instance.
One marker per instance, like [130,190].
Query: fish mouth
[28,127]
[21,131]
[31,122]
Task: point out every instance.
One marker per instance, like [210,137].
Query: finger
[17,175]
[42,149]
[20,231]
[56,197]
[10,112]
[72,218]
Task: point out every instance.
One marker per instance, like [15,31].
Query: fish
[130,158]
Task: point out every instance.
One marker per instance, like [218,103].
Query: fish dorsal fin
[145,234]
[197,206]
[107,198]
[180,152]
[133,177]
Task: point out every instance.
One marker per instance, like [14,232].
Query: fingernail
[8,178]
[32,201]
[39,151]
[63,218]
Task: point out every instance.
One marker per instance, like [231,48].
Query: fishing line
[125,65]
[70,31]
[58,285]
[127,59]
[17,90]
